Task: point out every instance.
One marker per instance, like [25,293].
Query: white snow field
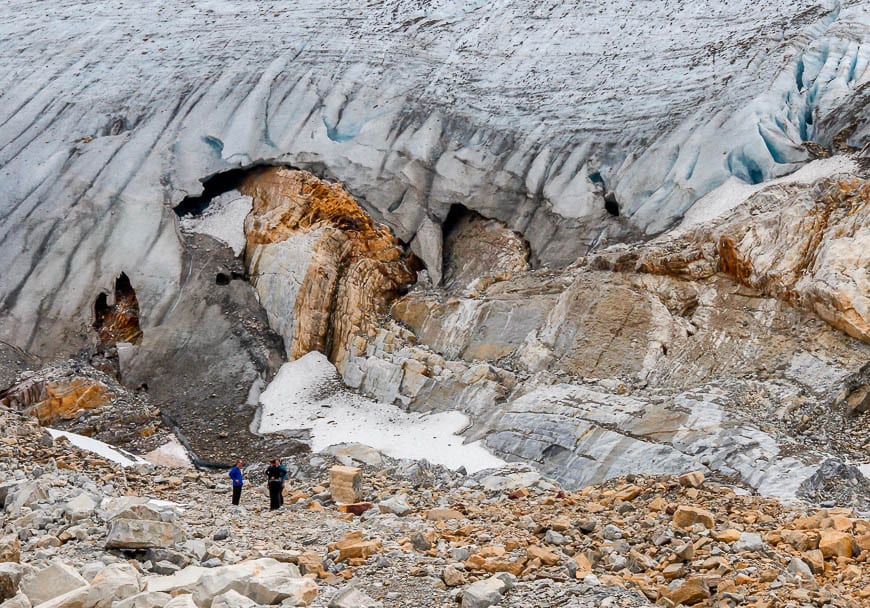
[307,394]
[109,452]
[524,110]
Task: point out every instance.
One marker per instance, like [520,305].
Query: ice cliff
[527,112]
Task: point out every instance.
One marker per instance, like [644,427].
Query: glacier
[526,112]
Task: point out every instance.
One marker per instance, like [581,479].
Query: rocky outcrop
[656,356]
[324,270]
[74,396]
[52,400]
[804,246]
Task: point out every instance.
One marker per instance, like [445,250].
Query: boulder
[694,479]
[26,494]
[444,514]
[115,582]
[836,544]
[749,541]
[799,567]
[547,557]
[46,584]
[183,581]
[687,516]
[350,597]
[18,601]
[693,590]
[7,488]
[345,484]
[127,533]
[10,576]
[184,600]
[80,507]
[484,593]
[232,599]
[10,548]
[397,505]
[146,599]
[264,580]
[453,577]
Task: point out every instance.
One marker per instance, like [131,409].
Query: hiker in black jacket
[274,482]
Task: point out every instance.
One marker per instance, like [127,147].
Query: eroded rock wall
[324,270]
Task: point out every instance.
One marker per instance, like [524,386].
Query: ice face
[112,113]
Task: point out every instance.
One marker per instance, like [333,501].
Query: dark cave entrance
[611,205]
[213,186]
[118,321]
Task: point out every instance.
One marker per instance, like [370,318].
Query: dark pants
[281,494]
[237,494]
[274,494]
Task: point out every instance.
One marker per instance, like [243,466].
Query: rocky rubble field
[360,530]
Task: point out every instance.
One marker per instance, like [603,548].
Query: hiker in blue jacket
[238,482]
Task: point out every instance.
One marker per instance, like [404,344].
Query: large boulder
[184,600]
[265,580]
[125,533]
[26,494]
[80,507]
[55,580]
[232,599]
[183,581]
[350,597]
[10,576]
[485,593]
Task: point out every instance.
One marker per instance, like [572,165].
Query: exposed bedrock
[71,395]
[664,356]
[324,271]
[531,113]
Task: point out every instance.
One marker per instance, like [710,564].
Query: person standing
[238,481]
[273,482]
[283,470]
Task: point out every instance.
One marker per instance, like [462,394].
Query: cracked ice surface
[523,110]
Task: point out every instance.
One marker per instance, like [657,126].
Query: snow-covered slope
[526,111]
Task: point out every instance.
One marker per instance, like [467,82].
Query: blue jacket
[236,476]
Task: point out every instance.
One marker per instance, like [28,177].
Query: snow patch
[109,452]
[223,219]
[307,394]
[735,192]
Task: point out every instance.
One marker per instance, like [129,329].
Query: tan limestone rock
[836,544]
[345,484]
[686,516]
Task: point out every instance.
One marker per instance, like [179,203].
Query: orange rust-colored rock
[357,267]
[800,245]
[60,399]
